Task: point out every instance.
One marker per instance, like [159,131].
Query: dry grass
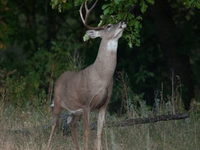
[24,130]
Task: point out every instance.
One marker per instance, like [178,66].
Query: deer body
[89,89]
[75,92]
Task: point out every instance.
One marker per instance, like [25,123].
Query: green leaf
[68,6]
[198,5]
[143,5]
[133,2]
[121,16]
[106,11]
[86,37]
[131,22]
[59,7]
[56,2]
[116,1]
[130,44]
[76,3]
[53,6]
[100,23]
[150,2]
[137,24]
[133,37]
[138,17]
[191,2]
[105,6]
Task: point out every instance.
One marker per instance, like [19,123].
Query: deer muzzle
[123,24]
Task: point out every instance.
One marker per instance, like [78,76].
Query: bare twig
[122,80]
[172,78]
[2,119]
[50,86]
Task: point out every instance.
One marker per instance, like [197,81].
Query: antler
[86,16]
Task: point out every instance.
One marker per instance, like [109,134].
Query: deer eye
[108,26]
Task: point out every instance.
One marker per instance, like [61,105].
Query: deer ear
[93,34]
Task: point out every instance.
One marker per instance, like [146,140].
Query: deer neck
[106,60]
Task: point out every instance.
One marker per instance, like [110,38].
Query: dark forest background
[38,43]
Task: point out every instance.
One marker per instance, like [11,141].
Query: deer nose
[123,24]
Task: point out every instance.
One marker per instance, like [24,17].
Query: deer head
[109,32]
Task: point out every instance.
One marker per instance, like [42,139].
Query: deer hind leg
[55,122]
[73,119]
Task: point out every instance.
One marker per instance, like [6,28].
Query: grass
[23,129]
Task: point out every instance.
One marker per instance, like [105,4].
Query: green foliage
[123,94]
[116,11]
[22,92]
[48,66]
[6,29]
[143,74]
[144,109]
[143,6]
[113,12]
[43,68]
[192,3]
[134,106]
[63,4]
[195,109]
[43,62]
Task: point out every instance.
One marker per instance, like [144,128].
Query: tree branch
[130,122]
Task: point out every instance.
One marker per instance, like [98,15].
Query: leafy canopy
[113,12]
[118,10]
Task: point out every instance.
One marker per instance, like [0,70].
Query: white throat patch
[112,45]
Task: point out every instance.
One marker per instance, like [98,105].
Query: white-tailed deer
[89,89]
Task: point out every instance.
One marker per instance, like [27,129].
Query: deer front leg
[86,119]
[100,121]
